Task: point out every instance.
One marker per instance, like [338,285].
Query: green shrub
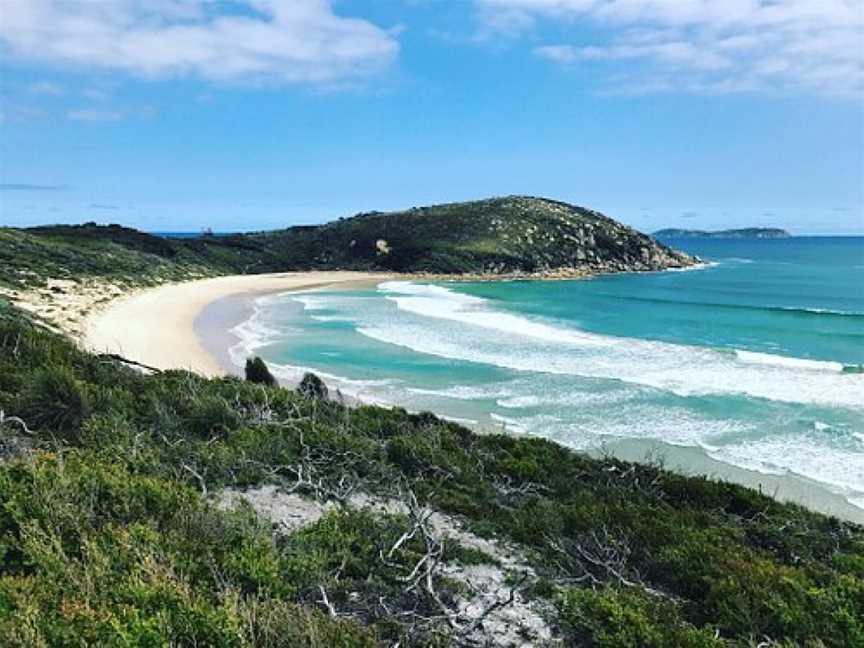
[257,372]
[55,399]
[312,387]
[615,618]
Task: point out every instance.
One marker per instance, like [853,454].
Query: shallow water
[751,358]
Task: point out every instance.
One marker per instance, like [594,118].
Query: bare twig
[326,601]
[198,476]
[17,421]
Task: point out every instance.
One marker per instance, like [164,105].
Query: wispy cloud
[94,115]
[703,46]
[46,88]
[95,94]
[23,186]
[104,207]
[246,40]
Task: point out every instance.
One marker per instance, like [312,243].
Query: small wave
[479,333]
[457,419]
[753,357]
[705,265]
[805,311]
[566,399]
[508,423]
[836,468]
[253,334]
[465,392]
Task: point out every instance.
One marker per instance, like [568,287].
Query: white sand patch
[521,623]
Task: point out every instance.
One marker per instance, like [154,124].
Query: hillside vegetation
[488,237]
[114,528]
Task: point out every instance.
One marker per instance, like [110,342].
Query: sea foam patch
[487,335]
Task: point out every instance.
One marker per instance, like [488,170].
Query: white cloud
[258,40]
[721,46]
[93,115]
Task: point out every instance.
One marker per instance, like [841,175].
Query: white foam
[460,421]
[752,357]
[253,334]
[838,468]
[705,265]
[466,392]
[437,321]
[569,398]
[479,333]
[441,303]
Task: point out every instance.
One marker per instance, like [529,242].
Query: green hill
[499,236]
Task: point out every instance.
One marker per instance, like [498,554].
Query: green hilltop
[500,236]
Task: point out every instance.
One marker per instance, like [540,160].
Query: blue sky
[185,114]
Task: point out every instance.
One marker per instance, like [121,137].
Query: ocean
[754,360]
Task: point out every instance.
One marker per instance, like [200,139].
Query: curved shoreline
[156,326]
[188,326]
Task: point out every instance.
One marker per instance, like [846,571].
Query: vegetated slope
[110,533]
[496,236]
[749,232]
[111,253]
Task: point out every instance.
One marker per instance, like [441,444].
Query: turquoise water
[754,358]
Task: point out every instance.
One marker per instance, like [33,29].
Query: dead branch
[17,421]
[326,601]
[197,476]
[424,573]
[126,361]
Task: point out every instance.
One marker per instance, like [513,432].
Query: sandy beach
[156,326]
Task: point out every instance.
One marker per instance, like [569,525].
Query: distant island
[745,233]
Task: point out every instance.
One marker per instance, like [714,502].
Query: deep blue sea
[754,358]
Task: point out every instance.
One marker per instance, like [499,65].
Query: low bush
[257,372]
